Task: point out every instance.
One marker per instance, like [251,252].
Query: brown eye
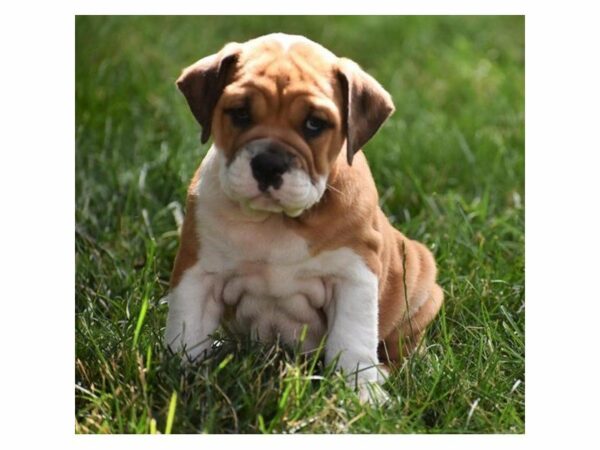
[313,126]
[240,117]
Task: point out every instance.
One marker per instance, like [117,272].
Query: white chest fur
[270,282]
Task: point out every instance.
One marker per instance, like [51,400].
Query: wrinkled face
[278,124]
[280,109]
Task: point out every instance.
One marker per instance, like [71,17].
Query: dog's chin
[259,204]
[264,204]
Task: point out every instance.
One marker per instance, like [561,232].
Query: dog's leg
[406,337]
[194,313]
[352,333]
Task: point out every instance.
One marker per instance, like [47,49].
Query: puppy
[283,234]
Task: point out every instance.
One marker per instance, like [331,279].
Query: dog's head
[281,109]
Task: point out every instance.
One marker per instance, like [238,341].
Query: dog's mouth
[265,178]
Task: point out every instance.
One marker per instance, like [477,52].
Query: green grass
[449,166]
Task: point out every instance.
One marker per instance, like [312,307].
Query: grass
[449,166]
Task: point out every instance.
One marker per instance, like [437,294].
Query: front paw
[190,350]
[373,394]
[368,384]
[192,353]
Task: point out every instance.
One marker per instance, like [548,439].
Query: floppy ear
[366,105]
[203,82]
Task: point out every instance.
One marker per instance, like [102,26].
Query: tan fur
[187,255]
[283,86]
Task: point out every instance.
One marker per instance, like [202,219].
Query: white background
[37,222]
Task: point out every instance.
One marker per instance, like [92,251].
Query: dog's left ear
[366,105]
[203,82]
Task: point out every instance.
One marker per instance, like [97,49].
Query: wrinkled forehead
[286,65]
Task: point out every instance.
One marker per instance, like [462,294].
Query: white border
[37,185]
[308,7]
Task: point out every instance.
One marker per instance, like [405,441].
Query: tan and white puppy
[283,228]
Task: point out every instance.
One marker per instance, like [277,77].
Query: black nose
[269,166]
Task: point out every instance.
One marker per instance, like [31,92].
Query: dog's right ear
[366,105]
[203,82]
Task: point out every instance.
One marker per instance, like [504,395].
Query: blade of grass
[140,321]
[171,413]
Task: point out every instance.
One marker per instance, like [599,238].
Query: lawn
[449,166]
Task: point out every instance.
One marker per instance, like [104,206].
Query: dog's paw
[189,355]
[373,394]
[369,386]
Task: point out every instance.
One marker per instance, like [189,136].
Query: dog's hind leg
[403,341]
